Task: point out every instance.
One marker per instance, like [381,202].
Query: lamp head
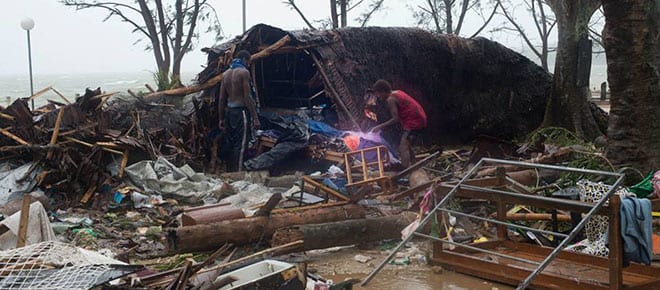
[27,23]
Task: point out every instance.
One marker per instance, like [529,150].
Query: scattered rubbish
[362,258]
[163,178]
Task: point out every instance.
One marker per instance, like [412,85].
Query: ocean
[18,86]
[70,85]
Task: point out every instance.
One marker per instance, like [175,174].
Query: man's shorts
[411,135]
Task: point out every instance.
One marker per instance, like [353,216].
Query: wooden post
[122,166]
[501,206]
[616,247]
[150,88]
[56,132]
[23,222]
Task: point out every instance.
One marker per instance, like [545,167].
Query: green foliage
[584,155]
[557,136]
[165,81]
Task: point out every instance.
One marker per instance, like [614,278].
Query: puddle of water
[422,280]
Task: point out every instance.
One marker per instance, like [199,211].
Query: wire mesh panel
[56,265]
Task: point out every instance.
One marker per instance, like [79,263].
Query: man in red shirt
[405,110]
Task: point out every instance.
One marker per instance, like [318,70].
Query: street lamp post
[27,24]
[244,22]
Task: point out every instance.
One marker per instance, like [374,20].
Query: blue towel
[237,62]
[636,230]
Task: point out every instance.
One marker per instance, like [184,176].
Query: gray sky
[68,41]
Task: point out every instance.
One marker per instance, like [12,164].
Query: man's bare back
[235,92]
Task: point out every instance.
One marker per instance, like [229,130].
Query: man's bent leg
[404,150]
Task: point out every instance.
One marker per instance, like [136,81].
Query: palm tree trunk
[633,57]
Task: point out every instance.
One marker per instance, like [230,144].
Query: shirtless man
[405,110]
[237,113]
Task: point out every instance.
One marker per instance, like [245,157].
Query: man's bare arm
[394,112]
[222,104]
[247,98]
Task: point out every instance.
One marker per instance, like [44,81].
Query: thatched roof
[467,86]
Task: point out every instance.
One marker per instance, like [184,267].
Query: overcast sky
[68,41]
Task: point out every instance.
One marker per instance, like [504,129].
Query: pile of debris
[78,147]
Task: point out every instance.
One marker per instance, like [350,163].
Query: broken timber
[344,233]
[240,231]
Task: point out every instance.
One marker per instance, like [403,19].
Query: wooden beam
[149,88]
[416,166]
[41,92]
[23,222]
[217,79]
[131,93]
[56,132]
[19,140]
[615,244]
[325,189]
[7,116]
[259,255]
[270,49]
[90,145]
[335,96]
[122,166]
[88,194]
[61,95]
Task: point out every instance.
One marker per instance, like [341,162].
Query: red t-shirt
[411,113]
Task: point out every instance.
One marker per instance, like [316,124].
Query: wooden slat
[23,222]
[325,188]
[19,140]
[56,132]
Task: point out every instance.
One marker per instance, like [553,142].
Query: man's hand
[221,125]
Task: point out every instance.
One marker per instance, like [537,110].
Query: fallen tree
[344,233]
[241,231]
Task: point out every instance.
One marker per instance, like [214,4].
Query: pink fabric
[656,183]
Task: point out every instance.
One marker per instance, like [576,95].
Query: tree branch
[520,30]
[292,4]
[373,7]
[79,5]
[497,4]
[461,17]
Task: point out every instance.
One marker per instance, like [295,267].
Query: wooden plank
[88,194]
[414,190]
[41,92]
[308,207]
[23,222]
[325,189]
[7,116]
[270,49]
[417,165]
[615,244]
[259,255]
[56,132]
[151,90]
[92,145]
[61,96]
[19,140]
[122,165]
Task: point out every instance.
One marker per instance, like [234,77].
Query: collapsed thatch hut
[468,86]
